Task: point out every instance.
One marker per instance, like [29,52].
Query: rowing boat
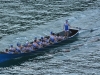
[73,34]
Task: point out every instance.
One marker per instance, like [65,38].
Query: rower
[28,48]
[40,43]
[35,45]
[47,40]
[12,49]
[23,49]
[7,51]
[18,48]
[59,38]
[53,38]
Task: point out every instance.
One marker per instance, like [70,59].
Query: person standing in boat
[66,28]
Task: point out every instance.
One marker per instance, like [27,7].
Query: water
[24,20]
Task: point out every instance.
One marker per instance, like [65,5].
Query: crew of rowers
[36,44]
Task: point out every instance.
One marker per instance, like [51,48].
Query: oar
[91,30]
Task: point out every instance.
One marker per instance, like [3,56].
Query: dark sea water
[22,20]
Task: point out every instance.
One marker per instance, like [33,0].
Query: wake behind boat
[4,56]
